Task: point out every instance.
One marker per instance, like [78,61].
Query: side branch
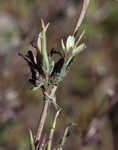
[82,14]
[52,130]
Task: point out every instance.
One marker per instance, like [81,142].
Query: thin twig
[43,116]
[42,122]
[82,14]
[52,130]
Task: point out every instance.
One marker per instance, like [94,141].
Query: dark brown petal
[34,41]
[32,81]
[32,69]
[31,56]
[39,61]
[25,58]
[39,69]
[32,66]
[58,65]
[39,58]
[53,51]
[33,73]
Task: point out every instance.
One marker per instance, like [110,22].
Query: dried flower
[45,71]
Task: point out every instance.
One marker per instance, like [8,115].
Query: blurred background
[83,95]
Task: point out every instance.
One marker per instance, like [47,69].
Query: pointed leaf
[44,48]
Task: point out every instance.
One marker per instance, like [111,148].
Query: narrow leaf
[44,48]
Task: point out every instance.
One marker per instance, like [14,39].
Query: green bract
[42,45]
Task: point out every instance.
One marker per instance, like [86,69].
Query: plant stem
[52,130]
[82,15]
[42,121]
[64,138]
[44,116]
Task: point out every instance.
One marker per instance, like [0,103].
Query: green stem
[52,130]
[64,138]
